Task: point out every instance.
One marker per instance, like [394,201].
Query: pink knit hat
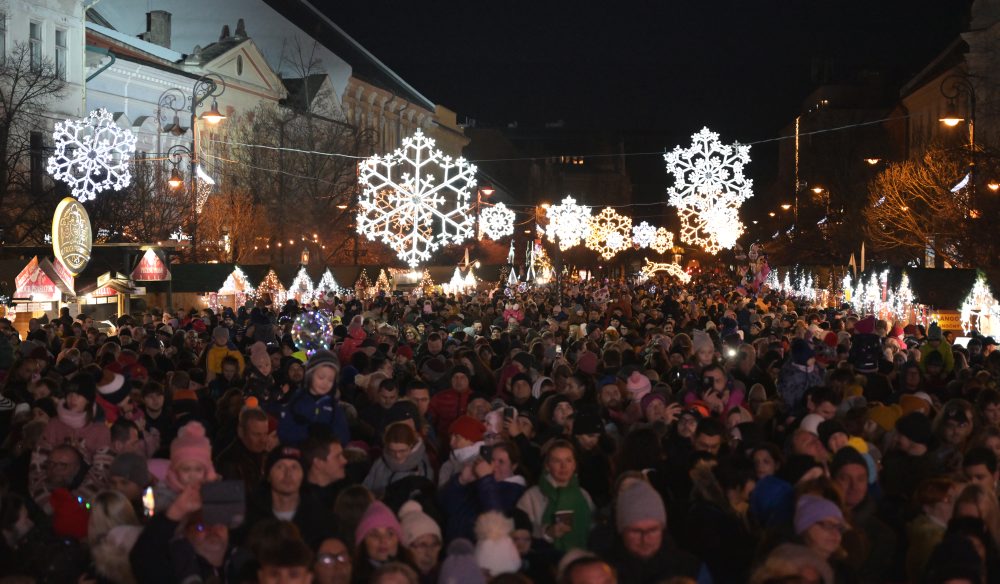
[191,444]
[377,515]
[638,385]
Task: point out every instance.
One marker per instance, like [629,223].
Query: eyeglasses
[436,545]
[331,559]
[643,533]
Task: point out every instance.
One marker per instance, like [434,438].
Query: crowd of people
[587,433]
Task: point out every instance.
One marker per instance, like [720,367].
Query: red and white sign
[104,291]
[63,273]
[151,268]
[33,284]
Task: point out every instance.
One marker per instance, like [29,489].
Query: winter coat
[923,535]
[944,349]
[235,462]
[534,503]
[667,563]
[445,407]
[386,471]
[304,410]
[462,504]
[793,381]
[216,353]
[160,558]
[351,345]
[87,440]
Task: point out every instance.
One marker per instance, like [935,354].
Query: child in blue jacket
[315,404]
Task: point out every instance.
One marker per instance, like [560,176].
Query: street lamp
[175,99]
[784,207]
[952,88]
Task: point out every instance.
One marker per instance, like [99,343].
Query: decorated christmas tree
[426,283]
[363,287]
[382,285]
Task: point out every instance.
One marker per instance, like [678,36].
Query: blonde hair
[109,509]
[987,506]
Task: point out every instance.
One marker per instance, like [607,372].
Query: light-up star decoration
[709,187]
[416,199]
[92,155]
[569,223]
[663,241]
[496,221]
[609,233]
[644,234]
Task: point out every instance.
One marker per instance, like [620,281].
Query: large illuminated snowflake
[92,155]
[694,230]
[674,270]
[714,226]
[496,221]
[609,233]
[663,241]
[644,234]
[410,208]
[707,167]
[569,223]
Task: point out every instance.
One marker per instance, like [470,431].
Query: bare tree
[920,204]
[146,211]
[27,86]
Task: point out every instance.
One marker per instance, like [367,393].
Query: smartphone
[223,503]
[486,453]
[509,413]
[559,350]
[564,518]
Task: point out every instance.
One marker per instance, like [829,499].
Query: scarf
[75,420]
[568,498]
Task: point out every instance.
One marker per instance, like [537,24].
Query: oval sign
[71,235]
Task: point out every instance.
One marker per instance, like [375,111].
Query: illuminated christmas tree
[272,286]
[363,287]
[382,284]
[426,283]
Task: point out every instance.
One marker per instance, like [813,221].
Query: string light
[651,268]
[92,155]
[569,223]
[644,235]
[302,288]
[980,311]
[609,233]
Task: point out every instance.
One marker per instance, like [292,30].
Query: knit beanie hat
[811,423]
[377,515]
[258,355]
[934,332]
[916,427]
[812,509]
[132,467]
[701,341]
[802,352]
[467,427]
[649,398]
[828,428]
[637,502]
[322,359]
[69,517]
[112,387]
[460,566]
[416,523]
[865,326]
[281,453]
[495,550]
[885,416]
[638,385]
[915,402]
[846,456]
[772,501]
[84,386]
[587,363]
[192,444]
[221,333]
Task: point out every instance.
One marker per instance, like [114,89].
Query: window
[61,53]
[3,35]
[35,44]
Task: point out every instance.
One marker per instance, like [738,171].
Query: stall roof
[198,278]
[941,288]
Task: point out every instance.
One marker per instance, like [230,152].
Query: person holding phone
[561,511]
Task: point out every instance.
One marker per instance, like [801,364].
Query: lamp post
[206,86]
[952,88]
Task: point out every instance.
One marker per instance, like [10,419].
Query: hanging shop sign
[72,238]
[35,285]
[151,268]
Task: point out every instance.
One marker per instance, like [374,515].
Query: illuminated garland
[272,285]
[327,285]
[302,288]
[981,304]
[672,269]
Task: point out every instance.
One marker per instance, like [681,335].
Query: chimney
[157,28]
[225,33]
[241,30]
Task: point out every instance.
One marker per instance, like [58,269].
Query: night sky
[654,71]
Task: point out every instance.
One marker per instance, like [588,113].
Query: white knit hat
[495,550]
[416,523]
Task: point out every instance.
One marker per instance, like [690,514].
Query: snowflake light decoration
[496,221]
[609,233]
[663,241]
[694,230]
[569,223]
[92,155]
[706,167]
[644,235]
[411,209]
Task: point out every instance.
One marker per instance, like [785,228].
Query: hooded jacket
[386,471]
[304,410]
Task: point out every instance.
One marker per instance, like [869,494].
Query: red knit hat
[69,516]
[467,427]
